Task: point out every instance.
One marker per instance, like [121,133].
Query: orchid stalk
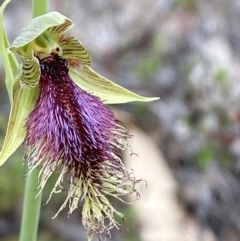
[32,204]
[59,113]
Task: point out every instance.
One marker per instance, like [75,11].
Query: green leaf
[24,100]
[9,61]
[106,90]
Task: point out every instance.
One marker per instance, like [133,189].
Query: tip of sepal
[148,99]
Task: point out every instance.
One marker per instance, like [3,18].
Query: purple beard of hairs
[68,125]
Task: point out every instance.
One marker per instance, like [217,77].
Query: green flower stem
[32,205]
[39,7]
[31,209]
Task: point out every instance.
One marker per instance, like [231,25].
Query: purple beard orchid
[73,130]
[58,111]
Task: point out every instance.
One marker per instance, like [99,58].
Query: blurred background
[188,143]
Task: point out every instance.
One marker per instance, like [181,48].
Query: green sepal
[9,61]
[38,25]
[24,100]
[109,92]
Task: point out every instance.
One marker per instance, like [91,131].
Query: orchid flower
[59,113]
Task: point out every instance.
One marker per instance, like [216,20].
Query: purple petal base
[69,125]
